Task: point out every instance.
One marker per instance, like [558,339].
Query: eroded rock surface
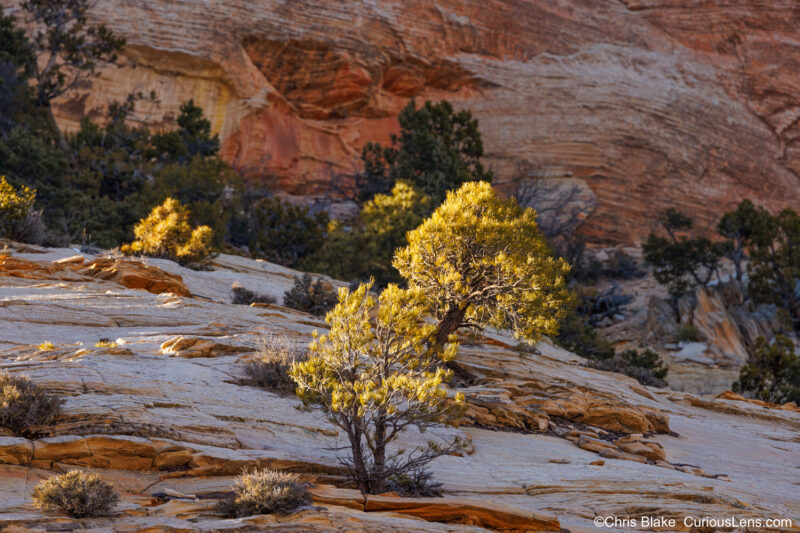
[163,415]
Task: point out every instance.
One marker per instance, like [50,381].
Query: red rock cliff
[652,103]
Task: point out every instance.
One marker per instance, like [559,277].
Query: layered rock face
[651,103]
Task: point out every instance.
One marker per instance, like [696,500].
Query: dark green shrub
[437,150]
[278,231]
[688,333]
[311,295]
[595,306]
[582,339]
[23,405]
[646,367]
[75,494]
[191,140]
[265,492]
[242,296]
[772,372]
[586,268]
[416,483]
[744,227]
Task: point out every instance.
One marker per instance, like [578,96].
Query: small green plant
[270,368]
[265,492]
[105,343]
[688,333]
[24,405]
[311,295]
[75,494]
[646,367]
[243,296]
[772,372]
[46,346]
[166,233]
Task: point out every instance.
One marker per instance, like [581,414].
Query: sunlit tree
[166,232]
[480,260]
[376,380]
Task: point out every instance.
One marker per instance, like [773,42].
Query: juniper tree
[480,260]
[681,263]
[772,372]
[376,380]
[743,228]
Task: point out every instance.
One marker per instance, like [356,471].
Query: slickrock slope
[165,418]
[652,103]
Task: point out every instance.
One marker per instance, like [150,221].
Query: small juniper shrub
[311,295]
[24,405]
[645,367]
[416,483]
[75,494]
[688,333]
[166,233]
[46,346]
[265,492]
[270,369]
[243,296]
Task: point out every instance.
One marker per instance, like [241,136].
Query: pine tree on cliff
[681,263]
[437,150]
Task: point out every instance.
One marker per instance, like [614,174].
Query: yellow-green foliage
[75,494]
[481,260]
[47,346]
[166,232]
[105,343]
[375,381]
[15,205]
[388,213]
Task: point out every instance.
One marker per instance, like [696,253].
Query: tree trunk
[62,140]
[378,481]
[449,324]
[359,468]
